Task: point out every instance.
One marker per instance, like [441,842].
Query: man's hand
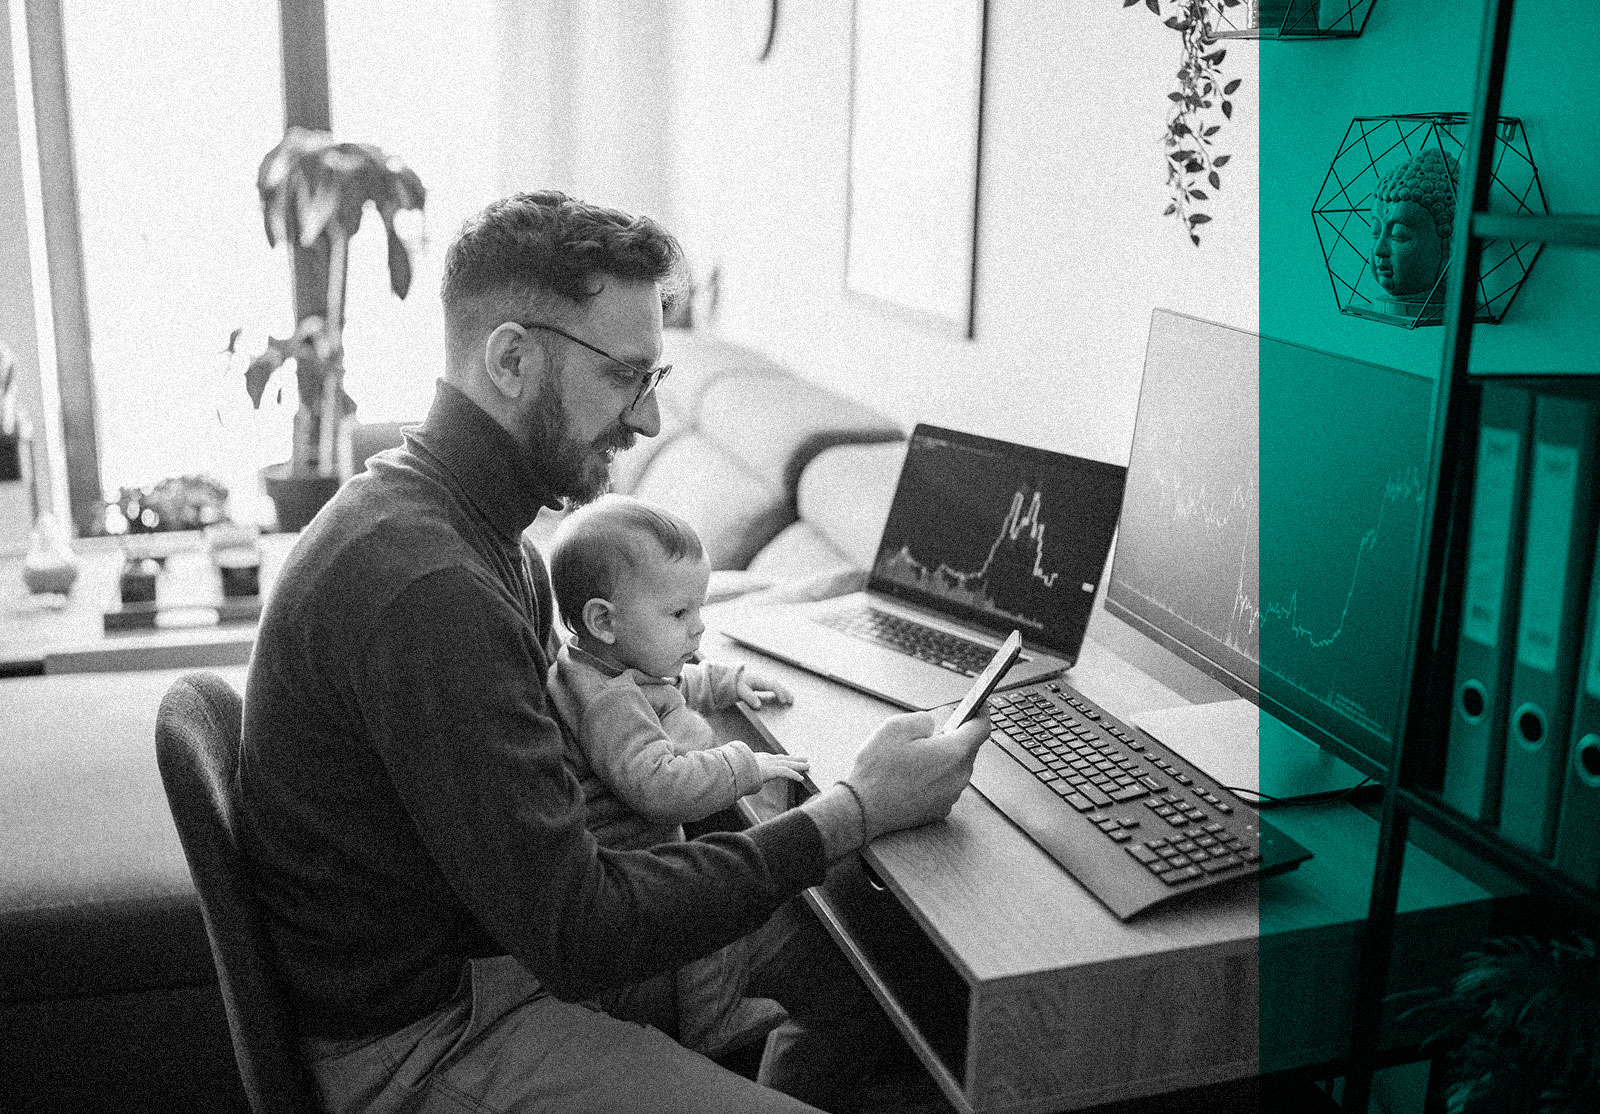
[754,688]
[905,775]
[790,766]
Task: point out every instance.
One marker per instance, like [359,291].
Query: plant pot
[296,496]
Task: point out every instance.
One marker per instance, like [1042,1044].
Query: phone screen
[986,681]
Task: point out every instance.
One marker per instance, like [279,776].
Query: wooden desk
[1021,993]
[54,634]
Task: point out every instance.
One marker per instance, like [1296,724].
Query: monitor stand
[1245,748]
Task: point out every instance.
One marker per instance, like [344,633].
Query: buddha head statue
[1412,214]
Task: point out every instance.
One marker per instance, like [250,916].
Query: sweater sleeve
[710,686]
[453,694]
[632,753]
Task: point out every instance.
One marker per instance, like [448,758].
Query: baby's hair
[616,536]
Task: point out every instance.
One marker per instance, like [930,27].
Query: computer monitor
[1270,534]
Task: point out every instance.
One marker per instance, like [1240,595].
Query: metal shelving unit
[1448,511]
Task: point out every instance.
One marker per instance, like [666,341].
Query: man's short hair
[598,546]
[547,250]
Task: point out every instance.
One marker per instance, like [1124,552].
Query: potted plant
[1521,1025]
[314,190]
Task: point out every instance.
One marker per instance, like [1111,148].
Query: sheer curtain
[420,80]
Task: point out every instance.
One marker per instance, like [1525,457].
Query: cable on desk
[1267,800]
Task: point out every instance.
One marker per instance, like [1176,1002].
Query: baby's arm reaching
[632,754]
[709,686]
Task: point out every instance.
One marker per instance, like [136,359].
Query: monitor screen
[1004,535]
[1272,524]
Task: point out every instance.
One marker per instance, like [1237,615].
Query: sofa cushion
[95,895]
[737,433]
[734,509]
[843,501]
[698,360]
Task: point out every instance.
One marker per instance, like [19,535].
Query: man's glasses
[648,380]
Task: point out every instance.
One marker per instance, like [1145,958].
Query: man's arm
[903,777]
[452,692]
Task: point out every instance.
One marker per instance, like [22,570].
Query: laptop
[983,537]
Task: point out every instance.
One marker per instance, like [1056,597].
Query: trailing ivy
[1196,112]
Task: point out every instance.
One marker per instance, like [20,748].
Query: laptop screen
[1001,535]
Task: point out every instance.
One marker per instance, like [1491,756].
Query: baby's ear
[597,619]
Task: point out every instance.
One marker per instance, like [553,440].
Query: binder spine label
[1495,493]
[1544,574]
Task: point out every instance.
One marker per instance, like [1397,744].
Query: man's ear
[599,620]
[508,356]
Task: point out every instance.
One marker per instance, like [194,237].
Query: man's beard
[575,470]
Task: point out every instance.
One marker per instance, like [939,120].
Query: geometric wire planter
[1288,19]
[1409,166]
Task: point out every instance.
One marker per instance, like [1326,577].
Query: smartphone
[986,681]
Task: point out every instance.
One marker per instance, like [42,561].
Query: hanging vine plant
[1197,110]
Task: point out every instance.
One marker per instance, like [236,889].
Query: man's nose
[644,418]
[698,626]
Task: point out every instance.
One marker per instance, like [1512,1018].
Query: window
[172,107]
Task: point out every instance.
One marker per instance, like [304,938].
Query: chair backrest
[197,750]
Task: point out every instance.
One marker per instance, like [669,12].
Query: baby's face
[656,616]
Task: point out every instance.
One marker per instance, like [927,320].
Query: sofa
[108,1000]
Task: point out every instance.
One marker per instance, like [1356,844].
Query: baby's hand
[754,688]
[789,766]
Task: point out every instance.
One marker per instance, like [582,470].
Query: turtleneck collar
[485,460]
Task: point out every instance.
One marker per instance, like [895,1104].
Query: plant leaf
[1201,194]
[1172,207]
[1232,86]
[1153,5]
[1199,218]
[1215,179]
[1227,109]
[1221,160]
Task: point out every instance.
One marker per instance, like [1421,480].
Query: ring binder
[1479,713]
[1558,546]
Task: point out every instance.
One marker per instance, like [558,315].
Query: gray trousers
[503,1044]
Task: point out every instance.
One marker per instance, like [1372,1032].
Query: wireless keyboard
[960,655]
[1131,820]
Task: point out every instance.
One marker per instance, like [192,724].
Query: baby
[630,580]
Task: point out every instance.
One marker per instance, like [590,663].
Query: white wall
[589,110]
[1073,251]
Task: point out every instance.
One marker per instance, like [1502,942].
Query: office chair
[197,751]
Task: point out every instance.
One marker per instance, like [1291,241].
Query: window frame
[303,35]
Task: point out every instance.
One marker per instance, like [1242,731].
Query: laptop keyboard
[948,651]
[1134,822]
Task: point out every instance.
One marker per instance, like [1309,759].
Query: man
[437,907]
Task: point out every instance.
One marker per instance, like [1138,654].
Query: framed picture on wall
[916,101]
